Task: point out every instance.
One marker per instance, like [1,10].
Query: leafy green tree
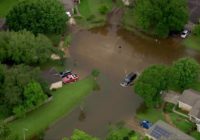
[33,94]
[21,90]
[161,17]
[37,16]
[151,83]
[80,135]
[185,71]
[25,47]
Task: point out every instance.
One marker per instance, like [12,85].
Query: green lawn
[90,14]
[64,100]
[5,6]
[192,42]
[152,115]
[196,135]
[181,123]
[128,19]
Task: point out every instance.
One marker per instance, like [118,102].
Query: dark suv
[129,78]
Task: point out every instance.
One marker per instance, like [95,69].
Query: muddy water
[114,52]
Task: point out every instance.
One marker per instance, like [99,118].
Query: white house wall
[184,106]
[56,85]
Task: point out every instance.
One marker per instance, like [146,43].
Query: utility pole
[24,132]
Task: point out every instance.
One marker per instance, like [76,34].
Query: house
[52,77]
[190,101]
[163,131]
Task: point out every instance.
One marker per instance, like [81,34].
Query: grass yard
[192,42]
[64,100]
[152,115]
[181,123]
[5,6]
[196,135]
[128,19]
[90,11]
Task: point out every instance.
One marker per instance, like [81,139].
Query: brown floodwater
[114,52]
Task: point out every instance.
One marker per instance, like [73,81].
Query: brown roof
[190,97]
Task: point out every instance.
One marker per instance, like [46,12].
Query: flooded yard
[114,52]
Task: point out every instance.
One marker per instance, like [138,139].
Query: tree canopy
[21,90]
[185,71]
[25,47]
[37,16]
[151,82]
[157,78]
[160,17]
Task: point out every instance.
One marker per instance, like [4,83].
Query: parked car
[70,78]
[129,78]
[145,124]
[65,73]
[68,14]
[184,33]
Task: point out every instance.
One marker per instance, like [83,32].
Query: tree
[80,135]
[161,17]
[21,90]
[25,47]
[185,71]
[37,16]
[33,94]
[151,82]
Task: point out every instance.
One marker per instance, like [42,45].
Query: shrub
[95,73]
[168,107]
[68,40]
[103,9]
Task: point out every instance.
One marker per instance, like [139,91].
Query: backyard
[93,12]
[64,100]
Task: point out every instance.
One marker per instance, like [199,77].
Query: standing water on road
[114,52]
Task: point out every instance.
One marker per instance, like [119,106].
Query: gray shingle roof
[51,76]
[196,110]
[163,131]
[190,97]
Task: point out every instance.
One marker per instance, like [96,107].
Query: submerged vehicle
[128,80]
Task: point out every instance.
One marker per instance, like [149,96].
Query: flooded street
[114,52]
